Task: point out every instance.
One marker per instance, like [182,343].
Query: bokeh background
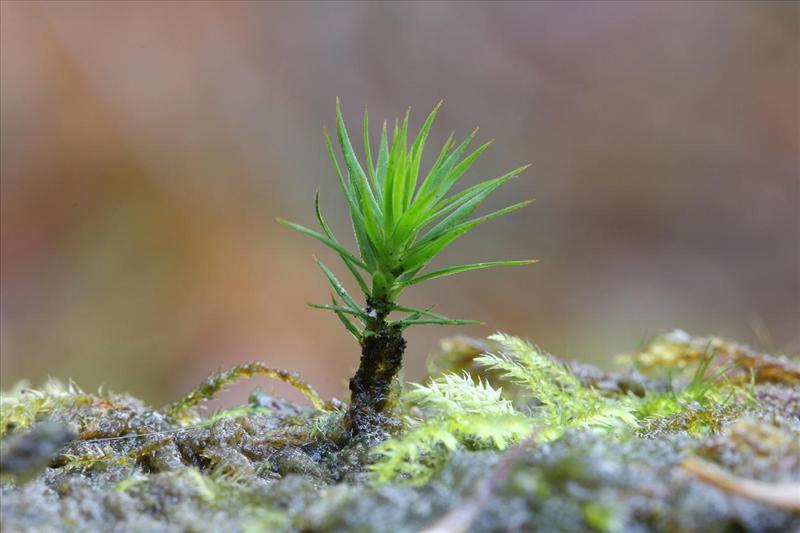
[147,148]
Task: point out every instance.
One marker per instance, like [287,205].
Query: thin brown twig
[783,495]
[460,518]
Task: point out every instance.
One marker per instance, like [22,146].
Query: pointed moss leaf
[351,161]
[325,240]
[420,312]
[354,206]
[340,309]
[429,247]
[471,200]
[433,182]
[383,160]
[348,259]
[416,153]
[466,192]
[437,321]
[395,160]
[368,206]
[452,177]
[368,153]
[348,324]
[401,172]
[464,268]
[457,211]
[340,290]
[431,206]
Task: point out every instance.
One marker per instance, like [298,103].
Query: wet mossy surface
[725,459]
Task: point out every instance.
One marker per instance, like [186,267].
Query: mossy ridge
[549,399]
[114,430]
[705,399]
[463,411]
[272,464]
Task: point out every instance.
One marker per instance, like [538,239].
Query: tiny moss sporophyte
[402,218]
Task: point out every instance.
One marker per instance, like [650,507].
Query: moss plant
[462,411]
[401,220]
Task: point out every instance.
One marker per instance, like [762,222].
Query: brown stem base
[381,358]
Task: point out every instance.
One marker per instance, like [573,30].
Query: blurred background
[147,148]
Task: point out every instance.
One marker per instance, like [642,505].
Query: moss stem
[382,348]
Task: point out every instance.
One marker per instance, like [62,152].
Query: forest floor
[691,434]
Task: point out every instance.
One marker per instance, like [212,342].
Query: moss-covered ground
[691,434]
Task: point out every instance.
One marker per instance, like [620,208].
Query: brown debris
[783,495]
[678,350]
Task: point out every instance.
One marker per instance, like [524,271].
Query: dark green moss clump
[715,449]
